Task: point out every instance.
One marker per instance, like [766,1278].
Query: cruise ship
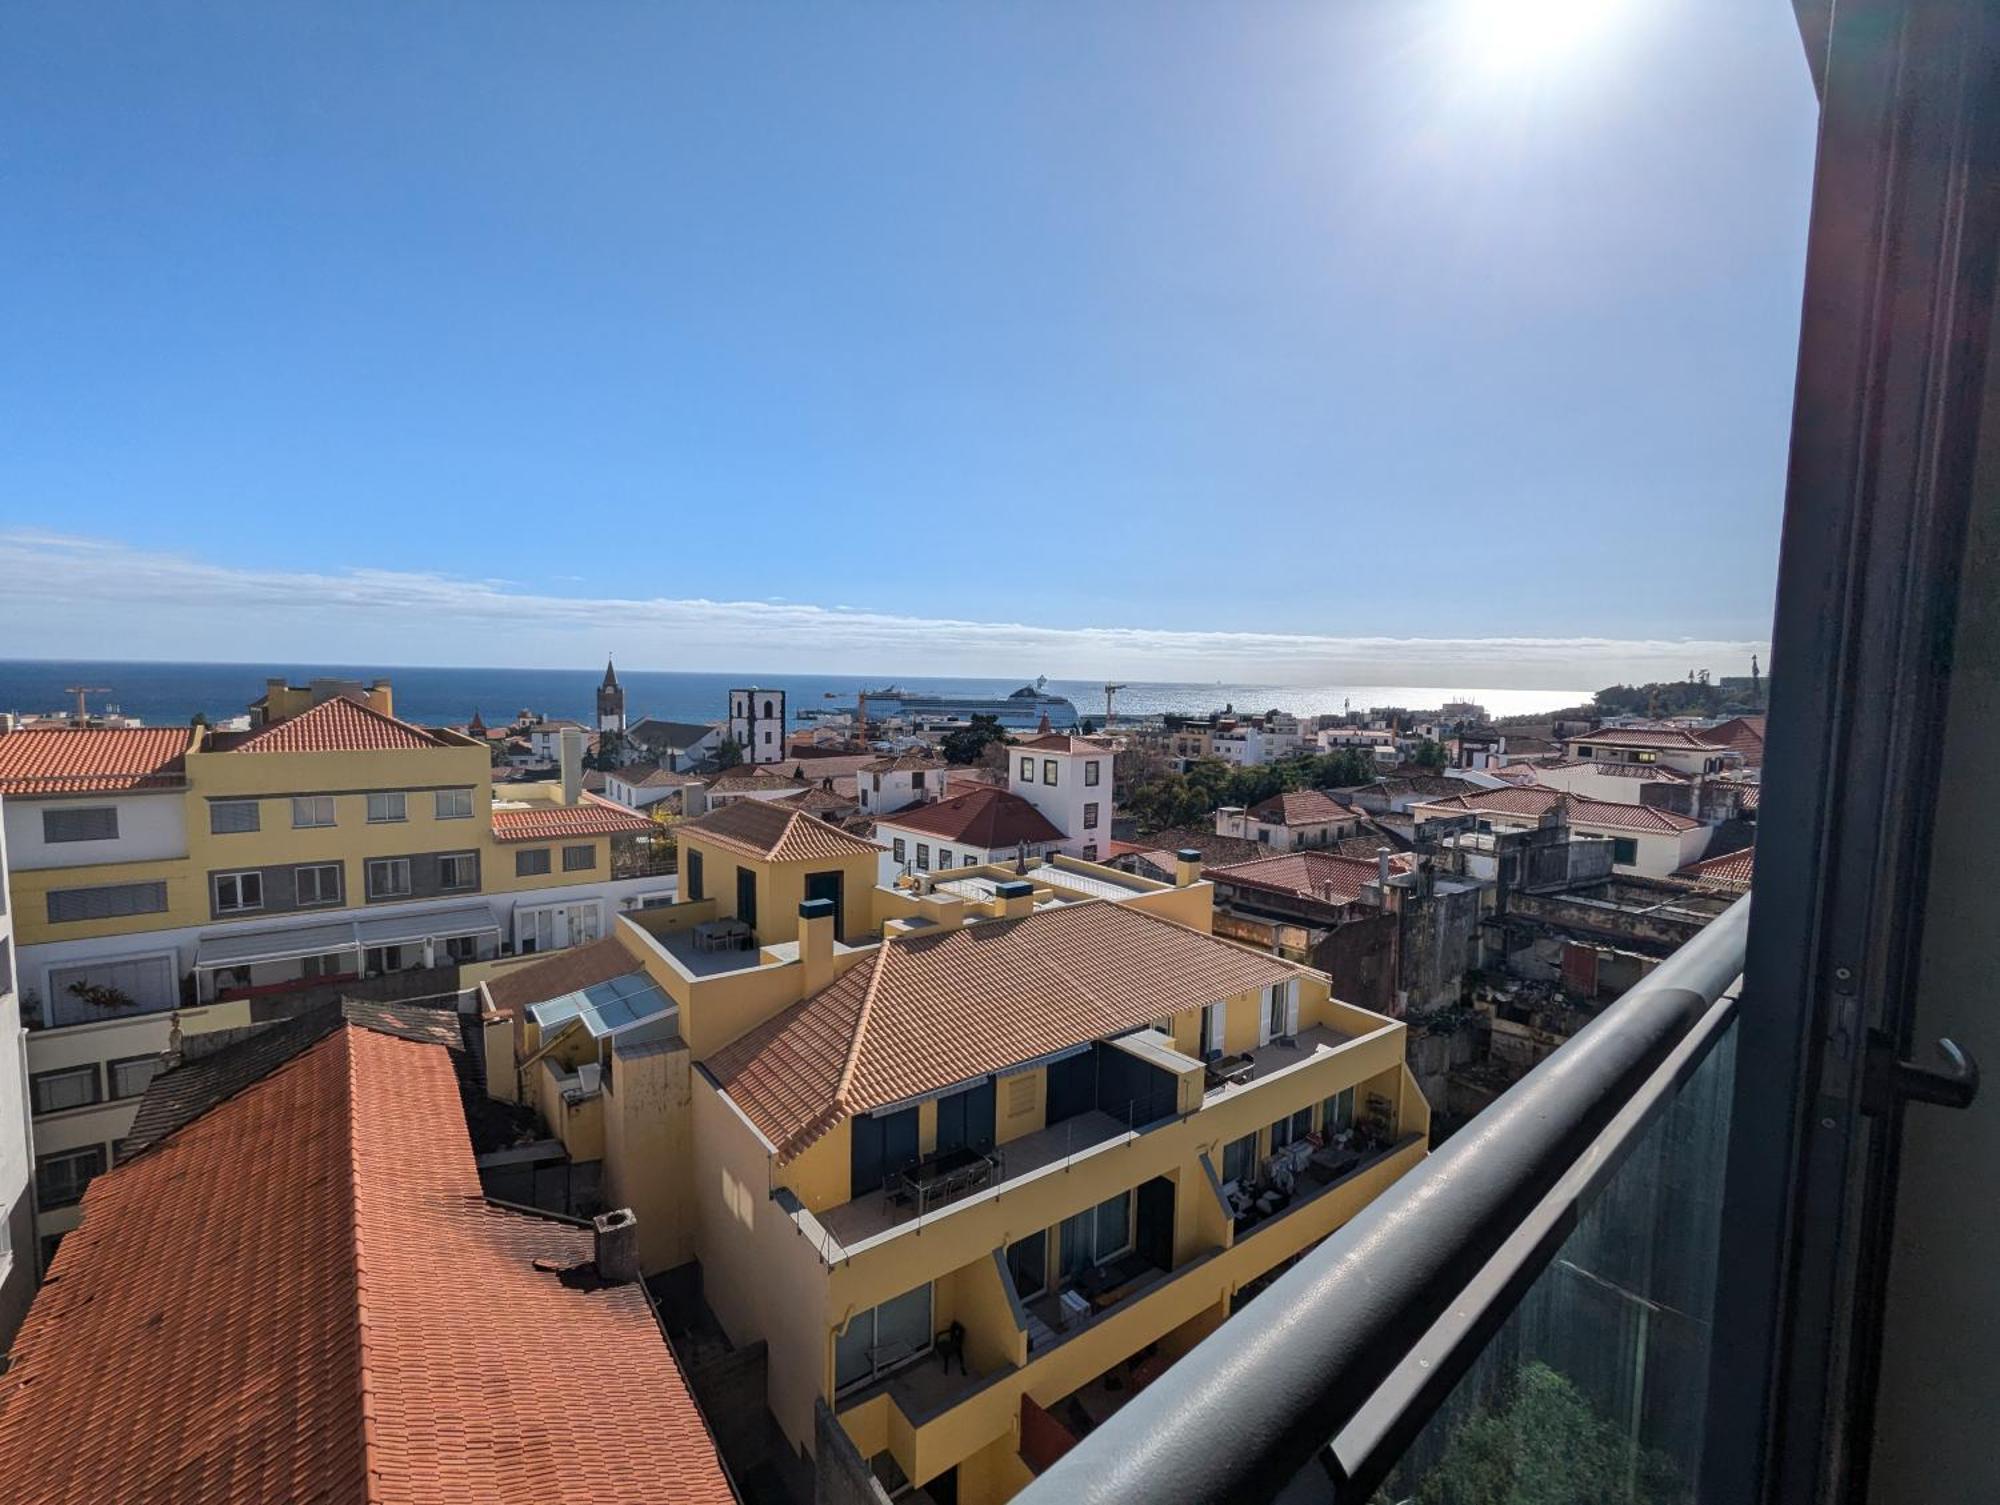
[1021,711]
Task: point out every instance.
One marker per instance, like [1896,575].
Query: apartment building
[982,824]
[167,881]
[1068,779]
[976,1159]
[17,1205]
[1679,748]
[1293,819]
[1646,842]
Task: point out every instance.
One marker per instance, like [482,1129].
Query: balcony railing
[1545,1274]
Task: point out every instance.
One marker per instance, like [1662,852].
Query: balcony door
[828,886]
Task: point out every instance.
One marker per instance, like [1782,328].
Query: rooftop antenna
[1110,717]
[79,691]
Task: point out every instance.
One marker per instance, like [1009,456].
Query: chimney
[1382,866]
[570,742]
[1187,866]
[617,1235]
[815,945]
[1017,899]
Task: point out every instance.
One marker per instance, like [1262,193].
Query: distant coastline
[164,694]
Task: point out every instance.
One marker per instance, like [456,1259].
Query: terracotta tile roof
[1743,733]
[745,779]
[562,972]
[1398,785]
[909,761]
[1641,736]
[776,832]
[336,725]
[1525,800]
[593,816]
[103,760]
[1625,817]
[958,780]
[1302,807]
[1537,799]
[1747,795]
[932,1011]
[983,817]
[652,776]
[1651,772]
[303,1295]
[1730,872]
[823,802]
[1116,848]
[1063,742]
[1514,773]
[1319,876]
[1213,848]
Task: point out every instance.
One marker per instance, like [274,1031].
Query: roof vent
[617,1234]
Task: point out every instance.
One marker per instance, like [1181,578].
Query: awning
[462,919]
[236,948]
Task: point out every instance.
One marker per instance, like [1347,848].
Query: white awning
[235,948]
[438,924]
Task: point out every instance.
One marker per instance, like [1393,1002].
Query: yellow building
[170,881]
[974,1159]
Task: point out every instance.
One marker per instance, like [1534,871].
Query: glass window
[1625,850]
[694,875]
[229,817]
[462,948]
[317,883]
[130,1075]
[1239,1159]
[1028,1263]
[111,902]
[883,1338]
[897,849]
[311,810]
[71,1087]
[454,804]
[1027,770]
[60,1178]
[458,870]
[388,877]
[923,857]
[1049,772]
[93,823]
[1090,774]
[1090,816]
[1096,1235]
[1114,1227]
[578,858]
[387,806]
[1337,1113]
[917,779]
[235,892]
[532,863]
[944,857]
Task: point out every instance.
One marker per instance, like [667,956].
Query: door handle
[1889,1082]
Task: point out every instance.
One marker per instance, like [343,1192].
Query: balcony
[1547,1275]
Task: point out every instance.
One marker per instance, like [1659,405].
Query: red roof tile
[593,816]
[303,1296]
[1302,807]
[337,725]
[94,761]
[1063,742]
[932,1011]
[777,831]
[1535,800]
[983,817]
[1731,872]
[1743,733]
[1320,876]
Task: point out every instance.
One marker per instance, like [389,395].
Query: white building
[673,745]
[984,824]
[545,738]
[757,724]
[1611,783]
[1069,780]
[896,783]
[1646,843]
[643,785]
[17,1203]
[1677,748]
[1285,822]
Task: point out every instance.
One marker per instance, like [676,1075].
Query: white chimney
[570,744]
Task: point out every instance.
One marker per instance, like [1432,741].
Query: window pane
[227,817]
[851,1350]
[95,823]
[1114,1226]
[576,859]
[386,806]
[73,1087]
[1028,1262]
[1239,1159]
[531,864]
[129,1078]
[454,804]
[1076,1245]
[903,1327]
[312,810]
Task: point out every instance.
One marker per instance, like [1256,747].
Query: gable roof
[336,725]
[747,777]
[593,815]
[678,736]
[1322,877]
[1674,737]
[1743,733]
[94,760]
[1064,742]
[1536,800]
[911,760]
[561,972]
[313,1267]
[932,1011]
[775,831]
[1302,807]
[983,816]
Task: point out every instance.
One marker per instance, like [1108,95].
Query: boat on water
[1021,711]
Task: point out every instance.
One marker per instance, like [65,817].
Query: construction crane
[860,713]
[79,691]
[1110,718]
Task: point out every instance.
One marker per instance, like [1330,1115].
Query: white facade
[545,738]
[1648,854]
[899,788]
[757,724]
[1071,785]
[17,1204]
[910,851]
[640,797]
[1597,781]
[112,828]
[1608,747]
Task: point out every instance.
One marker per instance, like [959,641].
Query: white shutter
[1218,1015]
[1292,1007]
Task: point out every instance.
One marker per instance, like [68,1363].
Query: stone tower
[610,702]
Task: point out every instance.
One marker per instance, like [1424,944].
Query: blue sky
[1184,334]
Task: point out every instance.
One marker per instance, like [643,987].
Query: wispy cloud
[72,597]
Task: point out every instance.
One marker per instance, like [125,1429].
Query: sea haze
[165,694]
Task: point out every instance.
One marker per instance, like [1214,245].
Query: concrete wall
[151,827]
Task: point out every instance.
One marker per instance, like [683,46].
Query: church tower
[610,702]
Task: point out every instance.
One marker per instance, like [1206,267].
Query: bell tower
[610,702]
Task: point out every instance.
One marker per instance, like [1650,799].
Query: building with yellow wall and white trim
[170,881]
[974,1158]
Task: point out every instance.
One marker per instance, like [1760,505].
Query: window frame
[391,863]
[923,857]
[1091,775]
[898,848]
[1090,815]
[1027,770]
[255,807]
[339,871]
[237,877]
[56,812]
[471,862]
[312,804]
[1051,772]
[112,1094]
[36,1109]
[438,810]
[524,859]
[48,1203]
[401,807]
[589,850]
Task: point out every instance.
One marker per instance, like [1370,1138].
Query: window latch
[1888,1083]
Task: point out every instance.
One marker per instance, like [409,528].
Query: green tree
[963,745]
[728,753]
[1429,754]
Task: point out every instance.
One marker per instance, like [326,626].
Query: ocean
[164,694]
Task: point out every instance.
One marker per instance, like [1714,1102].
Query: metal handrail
[1247,1408]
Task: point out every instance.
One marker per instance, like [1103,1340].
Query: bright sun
[1519,36]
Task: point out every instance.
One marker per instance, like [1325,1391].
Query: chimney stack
[815,945]
[617,1234]
[1187,866]
[1017,899]
[569,742]
[1382,866]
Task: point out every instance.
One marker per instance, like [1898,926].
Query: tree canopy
[963,745]
[1185,799]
